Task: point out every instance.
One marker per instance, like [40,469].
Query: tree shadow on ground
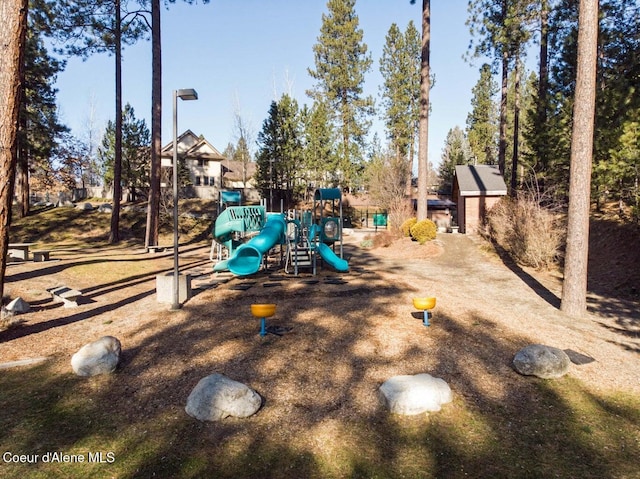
[535,285]
[321,417]
[89,304]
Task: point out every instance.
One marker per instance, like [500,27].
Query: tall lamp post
[184,94]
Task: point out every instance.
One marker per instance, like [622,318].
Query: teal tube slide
[247,258]
[332,259]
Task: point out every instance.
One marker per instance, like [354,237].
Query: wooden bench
[66,295]
[19,250]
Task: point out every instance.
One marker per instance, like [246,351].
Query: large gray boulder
[85,206]
[545,362]
[409,395]
[98,357]
[216,397]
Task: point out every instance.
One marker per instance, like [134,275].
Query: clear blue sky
[242,54]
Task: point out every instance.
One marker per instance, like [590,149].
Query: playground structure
[244,235]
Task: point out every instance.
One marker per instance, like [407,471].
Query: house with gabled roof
[209,171]
[476,188]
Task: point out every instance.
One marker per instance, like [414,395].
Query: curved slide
[247,258]
[327,253]
[332,259]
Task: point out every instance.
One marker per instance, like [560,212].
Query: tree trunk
[114,236]
[516,130]
[574,288]
[22,171]
[410,155]
[153,207]
[423,138]
[543,73]
[13,18]
[502,144]
[22,161]
[346,169]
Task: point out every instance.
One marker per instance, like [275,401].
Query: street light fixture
[184,94]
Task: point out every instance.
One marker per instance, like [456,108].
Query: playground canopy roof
[327,194]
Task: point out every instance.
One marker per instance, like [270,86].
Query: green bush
[405,227]
[424,231]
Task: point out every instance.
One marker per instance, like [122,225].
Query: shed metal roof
[480,180]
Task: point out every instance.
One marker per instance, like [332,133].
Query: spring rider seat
[425,304]
[263,311]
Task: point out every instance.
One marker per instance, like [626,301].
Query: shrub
[405,227]
[529,232]
[383,239]
[424,231]
[399,210]
[366,243]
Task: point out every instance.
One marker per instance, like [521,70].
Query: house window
[206,180]
[202,162]
[198,180]
[212,181]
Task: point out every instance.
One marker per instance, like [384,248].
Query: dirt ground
[338,332]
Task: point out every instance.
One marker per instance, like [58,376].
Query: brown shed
[476,189]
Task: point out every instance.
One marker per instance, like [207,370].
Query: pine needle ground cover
[321,416]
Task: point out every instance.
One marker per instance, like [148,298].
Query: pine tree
[319,138]
[280,150]
[13,18]
[136,140]
[501,28]
[616,99]
[482,121]
[39,128]
[619,174]
[423,122]
[456,152]
[153,206]
[341,61]
[155,171]
[96,26]
[524,93]
[574,287]
[400,69]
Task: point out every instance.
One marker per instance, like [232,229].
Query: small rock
[542,361]
[98,357]
[216,397]
[409,395]
[5,314]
